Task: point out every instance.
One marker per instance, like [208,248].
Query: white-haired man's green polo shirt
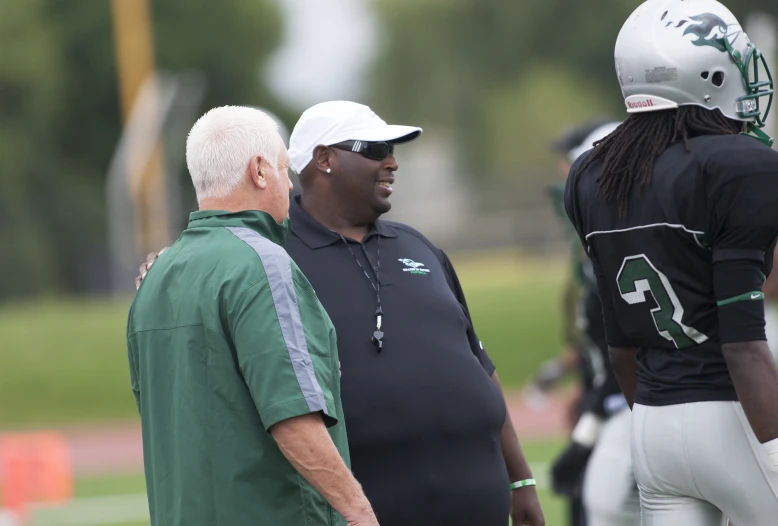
[226,338]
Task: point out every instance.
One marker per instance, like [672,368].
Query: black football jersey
[654,266]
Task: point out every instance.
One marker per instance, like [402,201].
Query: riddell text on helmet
[641,104]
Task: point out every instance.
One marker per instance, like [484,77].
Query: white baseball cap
[336,121]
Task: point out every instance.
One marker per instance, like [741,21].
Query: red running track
[116,448]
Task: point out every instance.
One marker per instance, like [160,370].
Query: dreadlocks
[629,152]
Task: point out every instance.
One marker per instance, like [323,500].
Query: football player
[678,211]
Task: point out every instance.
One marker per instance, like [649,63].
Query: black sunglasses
[372,150]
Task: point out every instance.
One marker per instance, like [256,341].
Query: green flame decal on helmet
[710,30]
[714,32]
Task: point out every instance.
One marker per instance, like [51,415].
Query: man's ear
[323,158]
[258,172]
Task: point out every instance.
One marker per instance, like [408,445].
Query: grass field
[122,498]
[65,361]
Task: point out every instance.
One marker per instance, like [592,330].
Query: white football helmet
[671,53]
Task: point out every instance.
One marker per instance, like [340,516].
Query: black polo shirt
[423,417]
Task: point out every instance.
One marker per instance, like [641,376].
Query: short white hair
[221,144]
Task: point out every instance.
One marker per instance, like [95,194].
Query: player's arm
[625,368]
[770,287]
[738,284]
[744,220]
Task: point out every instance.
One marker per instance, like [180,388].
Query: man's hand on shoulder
[146,265]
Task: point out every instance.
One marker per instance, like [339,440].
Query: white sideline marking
[120,509]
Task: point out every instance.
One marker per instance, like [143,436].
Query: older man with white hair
[233,360]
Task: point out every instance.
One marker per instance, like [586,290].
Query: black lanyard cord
[378,335]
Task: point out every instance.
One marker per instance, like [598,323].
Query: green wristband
[522,483]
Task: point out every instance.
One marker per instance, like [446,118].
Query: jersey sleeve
[743,201]
[285,346]
[475,343]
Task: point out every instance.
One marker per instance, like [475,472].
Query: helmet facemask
[748,106]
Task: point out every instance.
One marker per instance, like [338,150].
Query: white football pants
[698,463]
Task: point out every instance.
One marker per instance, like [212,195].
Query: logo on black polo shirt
[413,267]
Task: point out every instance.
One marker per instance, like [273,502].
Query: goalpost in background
[142,193]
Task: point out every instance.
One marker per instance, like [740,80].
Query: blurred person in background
[597,465]
[553,371]
[233,360]
[678,211]
[429,433]
[573,359]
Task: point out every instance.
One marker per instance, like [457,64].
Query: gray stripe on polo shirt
[278,268]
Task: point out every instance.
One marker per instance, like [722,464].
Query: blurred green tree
[502,76]
[61,119]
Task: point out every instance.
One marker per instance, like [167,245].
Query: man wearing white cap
[429,435]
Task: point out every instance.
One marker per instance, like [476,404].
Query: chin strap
[754,131]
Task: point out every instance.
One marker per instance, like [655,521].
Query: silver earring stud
[329,170]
